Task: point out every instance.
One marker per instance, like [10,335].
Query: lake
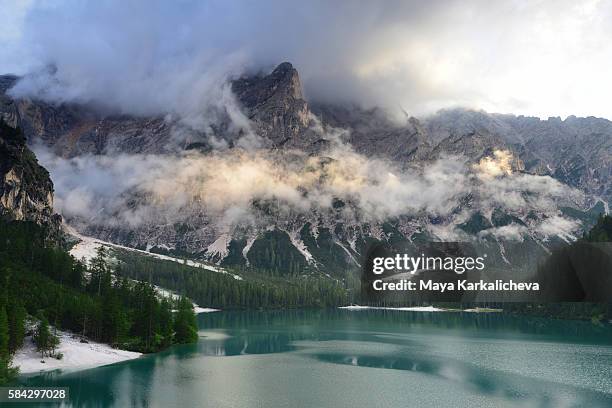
[366,358]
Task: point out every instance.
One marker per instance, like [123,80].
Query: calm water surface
[340,358]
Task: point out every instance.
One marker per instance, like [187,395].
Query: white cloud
[231,188]
[559,226]
[511,232]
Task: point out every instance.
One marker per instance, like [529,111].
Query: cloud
[13,57]
[511,232]
[559,226]
[500,163]
[539,58]
[239,189]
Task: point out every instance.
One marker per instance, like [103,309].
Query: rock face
[26,191]
[372,133]
[575,151]
[275,105]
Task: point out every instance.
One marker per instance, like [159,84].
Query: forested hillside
[602,231]
[224,291]
[44,281]
[574,279]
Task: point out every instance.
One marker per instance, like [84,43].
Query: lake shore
[421,309]
[77,355]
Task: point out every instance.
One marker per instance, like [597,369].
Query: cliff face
[9,112]
[26,191]
[275,104]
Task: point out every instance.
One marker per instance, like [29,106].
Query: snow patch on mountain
[166,293]
[300,246]
[219,249]
[87,249]
[348,253]
[247,248]
[605,204]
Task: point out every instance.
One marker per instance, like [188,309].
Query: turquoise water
[340,358]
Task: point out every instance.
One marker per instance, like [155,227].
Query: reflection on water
[268,357]
[487,382]
[475,324]
[249,343]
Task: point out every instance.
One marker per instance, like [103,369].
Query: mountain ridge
[575,151]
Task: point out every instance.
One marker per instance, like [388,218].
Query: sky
[540,58]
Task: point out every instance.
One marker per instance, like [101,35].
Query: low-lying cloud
[234,188]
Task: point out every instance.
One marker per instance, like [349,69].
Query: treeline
[48,283]
[601,231]
[219,290]
[595,312]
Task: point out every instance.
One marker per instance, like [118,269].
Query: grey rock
[26,191]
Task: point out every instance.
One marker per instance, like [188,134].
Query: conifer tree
[4,334]
[185,324]
[7,372]
[45,341]
[16,326]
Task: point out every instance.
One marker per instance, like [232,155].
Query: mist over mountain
[316,182]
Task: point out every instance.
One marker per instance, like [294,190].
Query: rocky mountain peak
[289,80]
[275,104]
[282,84]
[575,151]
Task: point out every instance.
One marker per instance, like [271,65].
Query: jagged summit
[285,74]
[281,84]
[275,103]
[284,67]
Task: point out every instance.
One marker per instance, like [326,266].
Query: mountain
[26,191]
[273,103]
[576,152]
